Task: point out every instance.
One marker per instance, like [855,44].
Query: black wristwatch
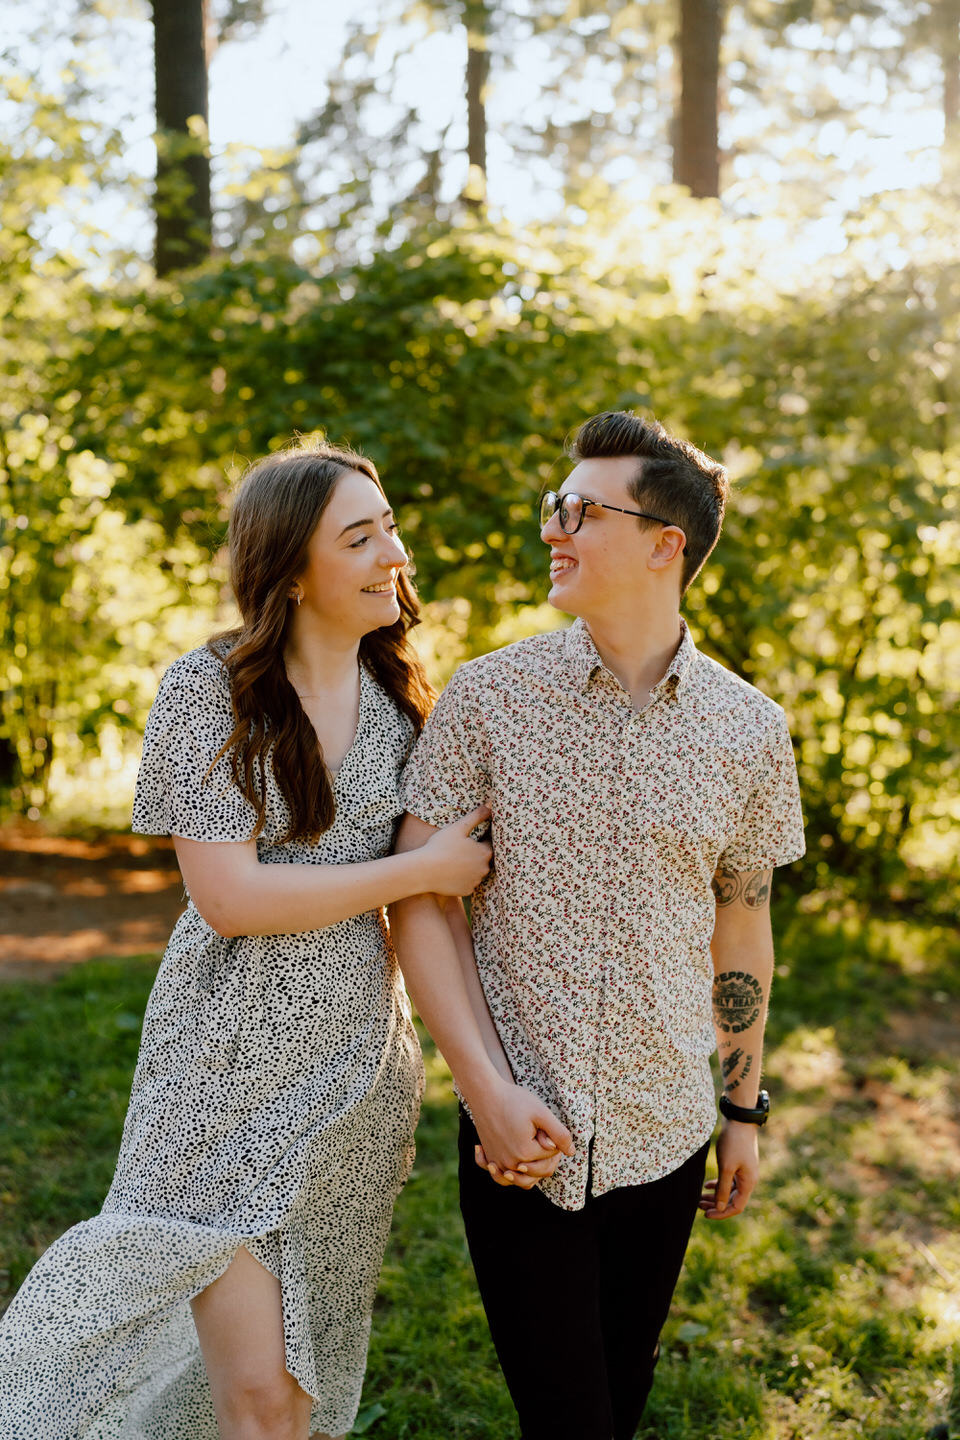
[747,1117]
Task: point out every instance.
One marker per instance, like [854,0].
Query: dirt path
[64,900]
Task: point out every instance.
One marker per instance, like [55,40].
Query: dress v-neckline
[365,682]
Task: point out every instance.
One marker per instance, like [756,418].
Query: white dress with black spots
[273,1107]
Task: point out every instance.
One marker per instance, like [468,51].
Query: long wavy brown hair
[276,509]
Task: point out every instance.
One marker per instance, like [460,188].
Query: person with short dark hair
[641,795]
[672,475]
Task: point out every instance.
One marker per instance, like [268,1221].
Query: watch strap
[757,1116]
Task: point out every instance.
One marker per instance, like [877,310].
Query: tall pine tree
[182,197]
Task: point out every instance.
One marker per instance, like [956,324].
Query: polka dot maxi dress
[273,1107]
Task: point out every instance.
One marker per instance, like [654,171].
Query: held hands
[522,1141]
[455,863]
[738,1166]
[528,1172]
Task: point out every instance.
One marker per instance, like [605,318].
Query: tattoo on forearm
[731,1062]
[753,891]
[756,892]
[726,886]
[735,1084]
[737,1001]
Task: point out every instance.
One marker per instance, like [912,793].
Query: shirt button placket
[624,896]
[613,948]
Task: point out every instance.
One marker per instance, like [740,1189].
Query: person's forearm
[742,949]
[463,940]
[515,1127]
[263,899]
[741,993]
[429,957]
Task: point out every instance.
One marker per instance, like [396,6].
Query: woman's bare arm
[236,895]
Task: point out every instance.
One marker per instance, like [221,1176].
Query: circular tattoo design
[726,886]
[737,998]
[756,892]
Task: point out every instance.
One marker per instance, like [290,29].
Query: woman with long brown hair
[227,1285]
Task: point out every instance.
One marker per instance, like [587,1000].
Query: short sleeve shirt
[592,933]
[183,788]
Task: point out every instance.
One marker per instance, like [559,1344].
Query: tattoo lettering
[737,1000]
[726,886]
[735,1084]
[756,892]
[731,1062]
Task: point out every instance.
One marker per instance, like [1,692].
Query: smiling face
[611,566]
[354,556]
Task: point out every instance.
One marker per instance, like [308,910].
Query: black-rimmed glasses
[571,508]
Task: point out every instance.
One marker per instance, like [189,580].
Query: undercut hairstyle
[276,509]
[673,478]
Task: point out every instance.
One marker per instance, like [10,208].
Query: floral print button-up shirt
[592,933]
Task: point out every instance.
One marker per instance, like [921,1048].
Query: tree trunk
[477,20]
[950,58]
[696,153]
[182,199]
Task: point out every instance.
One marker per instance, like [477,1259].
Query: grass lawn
[831,1309]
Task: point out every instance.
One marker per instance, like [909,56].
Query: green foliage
[71,570]
[828,1310]
[459,362]
[834,586]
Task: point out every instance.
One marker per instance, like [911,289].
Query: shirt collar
[584,659]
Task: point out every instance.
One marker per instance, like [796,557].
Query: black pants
[576,1299]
